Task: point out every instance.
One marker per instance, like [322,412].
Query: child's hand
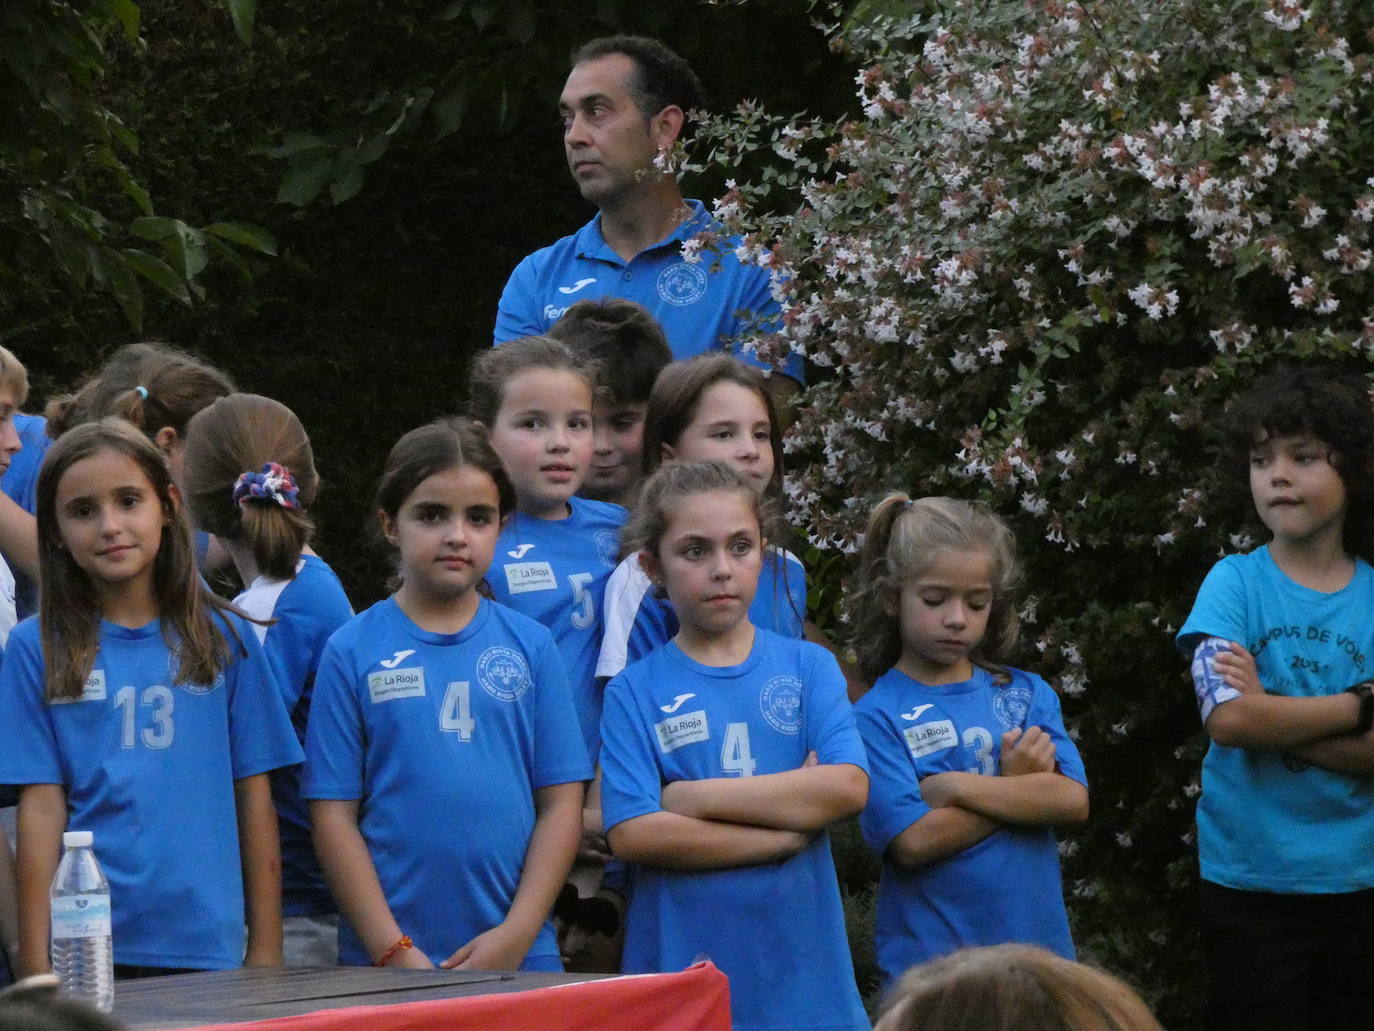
[593,847]
[941,789]
[812,759]
[1027,751]
[1238,669]
[497,949]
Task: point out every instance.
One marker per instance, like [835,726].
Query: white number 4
[456,715]
[735,755]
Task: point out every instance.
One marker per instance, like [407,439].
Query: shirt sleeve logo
[503,673]
[682,284]
[781,704]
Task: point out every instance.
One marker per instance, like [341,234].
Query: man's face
[609,143]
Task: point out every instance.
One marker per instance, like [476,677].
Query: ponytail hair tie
[142,391]
[274,483]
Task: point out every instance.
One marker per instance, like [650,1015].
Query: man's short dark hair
[622,339]
[662,78]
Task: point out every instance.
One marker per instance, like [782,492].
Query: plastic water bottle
[82,947]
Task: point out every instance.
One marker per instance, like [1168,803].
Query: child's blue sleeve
[29,752]
[1046,714]
[830,728]
[261,735]
[560,753]
[631,780]
[636,621]
[894,794]
[334,747]
[1218,611]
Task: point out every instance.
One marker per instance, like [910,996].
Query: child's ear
[165,439]
[173,494]
[388,526]
[652,567]
[666,453]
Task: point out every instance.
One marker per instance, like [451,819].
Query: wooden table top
[234,996]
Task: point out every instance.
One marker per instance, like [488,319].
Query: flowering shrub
[1054,239]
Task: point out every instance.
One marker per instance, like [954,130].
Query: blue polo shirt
[702,306]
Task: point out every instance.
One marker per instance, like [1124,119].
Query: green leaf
[154,229]
[449,110]
[188,248]
[306,178]
[242,12]
[293,143]
[111,269]
[126,12]
[245,235]
[347,186]
[232,257]
[157,272]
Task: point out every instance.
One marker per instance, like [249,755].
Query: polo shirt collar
[591,244]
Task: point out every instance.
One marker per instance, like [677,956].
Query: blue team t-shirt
[701,307]
[1265,821]
[777,929]
[1007,887]
[638,621]
[307,609]
[149,767]
[444,739]
[555,572]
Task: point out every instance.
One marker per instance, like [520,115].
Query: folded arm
[805,799]
[939,834]
[678,842]
[1029,800]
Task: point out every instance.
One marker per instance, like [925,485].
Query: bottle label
[81,916]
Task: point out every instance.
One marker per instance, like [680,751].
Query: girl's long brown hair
[69,611]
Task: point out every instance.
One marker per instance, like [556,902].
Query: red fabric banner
[697,999]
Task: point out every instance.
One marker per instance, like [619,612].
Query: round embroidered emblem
[204,688]
[1012,705]
[607,546]
[780,702]
[682,284]
[503,673]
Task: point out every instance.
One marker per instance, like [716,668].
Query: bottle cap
[75,839]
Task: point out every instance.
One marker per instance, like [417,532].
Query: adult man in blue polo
[623,108]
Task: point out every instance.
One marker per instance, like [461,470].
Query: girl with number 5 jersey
[443,754]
